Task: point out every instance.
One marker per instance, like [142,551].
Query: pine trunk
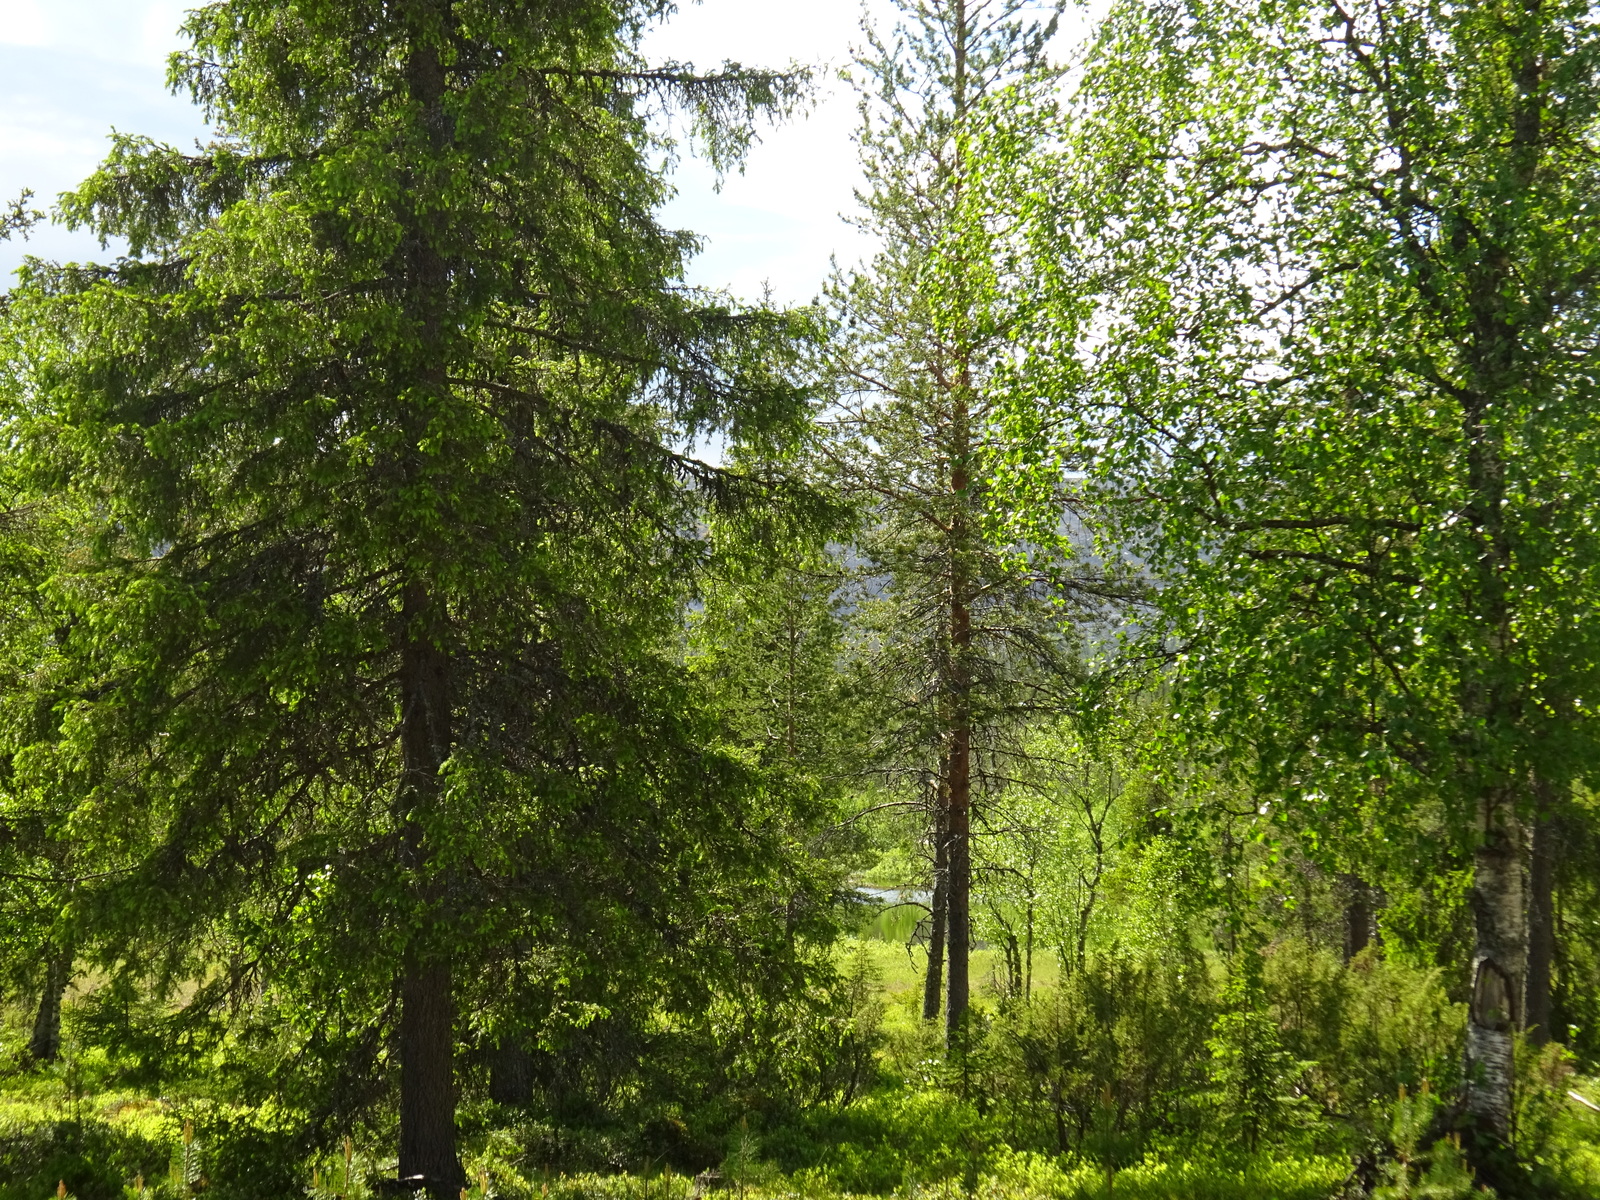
[959,919]
[1499,967]
[958,923]
[45,1044]
[933,984]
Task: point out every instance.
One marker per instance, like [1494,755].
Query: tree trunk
[1544,850]
[427,1078]
[510,1073]
[1499,966]
[427,1003]
[962,533]
[45,1044]
[1027,984]
[933,984]
[960,924]
[1495,357]
[428,1156]
[1357,916]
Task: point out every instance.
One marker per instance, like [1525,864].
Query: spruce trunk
[427,1002]
[427,1078]
[510,1073]
[427,1020]
[1357,916]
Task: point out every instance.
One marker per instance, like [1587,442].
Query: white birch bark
[1500,960]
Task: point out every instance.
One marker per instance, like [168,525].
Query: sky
[72,70]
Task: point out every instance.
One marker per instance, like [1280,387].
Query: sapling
[1108,1101]
[741,1158]
[186,1164]
[1446,1177]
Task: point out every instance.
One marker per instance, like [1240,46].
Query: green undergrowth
[1124,1080]
[101,1157]
[921,1145]
[1026,1176]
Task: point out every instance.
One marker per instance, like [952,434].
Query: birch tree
[1315,294]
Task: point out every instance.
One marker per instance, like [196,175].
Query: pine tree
[965,637]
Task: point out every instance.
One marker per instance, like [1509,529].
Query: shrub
[1119,1043]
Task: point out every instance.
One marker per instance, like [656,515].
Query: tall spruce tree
[1330,269]
[372,690]
[37,852]
[964,638]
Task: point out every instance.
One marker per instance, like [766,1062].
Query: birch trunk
[1544,850]
[1500,961]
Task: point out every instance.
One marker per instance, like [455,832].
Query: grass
[902,969]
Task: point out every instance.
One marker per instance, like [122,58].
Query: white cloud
[125,31]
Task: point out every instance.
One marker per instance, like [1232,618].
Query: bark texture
[1497,366]
[933,984]
[428,1157]
[427,1004]
[1358,916]
[44,1046]
[1544,850]
[511,1074]
[427,1079]
[1499,967]
[960,922]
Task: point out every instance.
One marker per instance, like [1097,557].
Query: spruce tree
[372,689]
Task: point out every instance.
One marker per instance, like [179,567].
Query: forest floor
[71,1127]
